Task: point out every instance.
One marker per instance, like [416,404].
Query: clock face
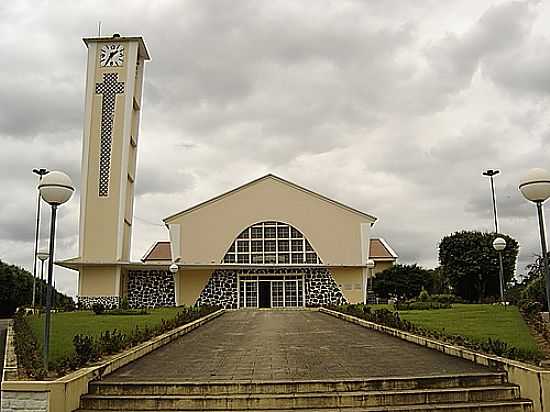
[111,55]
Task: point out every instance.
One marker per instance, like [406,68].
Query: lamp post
[499,244]
[370,266]
[42,256]
[55,188]
[491,173]
[40,172]
[535,187]
[174,270]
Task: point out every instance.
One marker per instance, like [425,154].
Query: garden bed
[78,338]
[492,329]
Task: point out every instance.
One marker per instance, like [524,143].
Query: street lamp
[173,268]
[491,173]
[535,187]
[40,172]
[370,266]
[42,256]
[55,188]
[499,244]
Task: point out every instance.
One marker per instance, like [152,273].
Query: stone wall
[109,302]
[151,288]
[15,401]
[221,290]
[321,289]
[222,287]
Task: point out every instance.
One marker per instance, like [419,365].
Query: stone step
[300,400]
[519,405]
[291,387]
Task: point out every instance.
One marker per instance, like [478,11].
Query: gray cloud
[392,107]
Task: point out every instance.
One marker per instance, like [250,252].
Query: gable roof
[278,179]
[378,250]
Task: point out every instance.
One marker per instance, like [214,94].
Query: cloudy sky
[393,107]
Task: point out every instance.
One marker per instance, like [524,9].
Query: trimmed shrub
[446,298]
[421,305]
[98,308]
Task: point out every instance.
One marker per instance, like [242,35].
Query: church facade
[269,243]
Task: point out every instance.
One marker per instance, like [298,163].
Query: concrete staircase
[486,392]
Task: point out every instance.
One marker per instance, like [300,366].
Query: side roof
[281,180]
[378,249]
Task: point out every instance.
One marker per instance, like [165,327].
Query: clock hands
[111,56]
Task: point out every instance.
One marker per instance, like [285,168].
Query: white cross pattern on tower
[109,89]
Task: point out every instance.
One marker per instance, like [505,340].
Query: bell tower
[114,85]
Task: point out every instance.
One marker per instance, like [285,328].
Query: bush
[446,299]
[110,342]
[126,312]
[421,305]
[85,349]
[124,305]
[29,356]
[98,308]
[424,296]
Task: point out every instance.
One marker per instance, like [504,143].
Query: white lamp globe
[43,255]
[535,186]
[499,244]
[173,268]
[370,264]
[56,188]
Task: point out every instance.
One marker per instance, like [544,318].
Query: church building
[269,243]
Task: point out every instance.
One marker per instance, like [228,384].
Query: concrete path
[287,345]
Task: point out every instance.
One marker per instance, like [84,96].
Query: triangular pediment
[266,180]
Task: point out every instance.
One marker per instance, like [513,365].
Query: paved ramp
[287,345]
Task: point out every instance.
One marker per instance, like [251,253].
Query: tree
[534,287]
[16,290]
[440,282]
[402,281]
[471,263]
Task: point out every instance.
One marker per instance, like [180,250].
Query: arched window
[271,243]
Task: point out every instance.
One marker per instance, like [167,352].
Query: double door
[266,291]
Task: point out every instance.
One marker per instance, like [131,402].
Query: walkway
[287,345]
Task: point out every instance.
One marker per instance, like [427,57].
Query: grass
[475,321]
[68,324]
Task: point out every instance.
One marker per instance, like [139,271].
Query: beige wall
[99,281]
[105,228]
[190,284]
[350,281]
[208,231]
[381,266]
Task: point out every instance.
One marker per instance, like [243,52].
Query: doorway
[265,294]
[271,291]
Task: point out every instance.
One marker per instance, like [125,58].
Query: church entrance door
[265,294]
[271,291]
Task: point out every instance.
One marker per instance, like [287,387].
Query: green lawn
[65,325]
[475,321]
